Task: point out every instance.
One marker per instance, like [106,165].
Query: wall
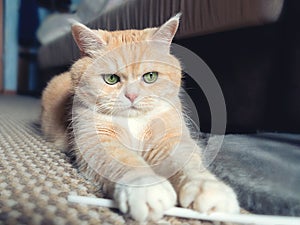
[1,46]
[10,57]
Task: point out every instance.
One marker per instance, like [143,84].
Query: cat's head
[127,72]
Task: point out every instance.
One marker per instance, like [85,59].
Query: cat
[119,112]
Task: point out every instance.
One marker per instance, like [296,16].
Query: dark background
[258,69]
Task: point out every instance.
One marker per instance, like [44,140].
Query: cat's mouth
[134,107]
[130,111]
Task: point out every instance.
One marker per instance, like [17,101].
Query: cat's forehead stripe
[126,36]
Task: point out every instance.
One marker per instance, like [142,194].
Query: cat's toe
[147,206]
[209,196]
[144,200]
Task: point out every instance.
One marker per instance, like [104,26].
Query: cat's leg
[55,99]
[199,189]
[135,187]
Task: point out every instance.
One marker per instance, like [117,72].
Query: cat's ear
[167,31]
[87,41]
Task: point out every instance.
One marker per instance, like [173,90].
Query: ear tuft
[167,31]
[87,41]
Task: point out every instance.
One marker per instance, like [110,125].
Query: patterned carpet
[35,178]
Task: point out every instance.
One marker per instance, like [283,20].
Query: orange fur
[55,100]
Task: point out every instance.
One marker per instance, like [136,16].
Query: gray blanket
[264,169]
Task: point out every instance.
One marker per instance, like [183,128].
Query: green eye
[111,79]
[150,77]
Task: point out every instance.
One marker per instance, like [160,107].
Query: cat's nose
[131,96]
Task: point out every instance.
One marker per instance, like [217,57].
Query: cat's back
[55,100]
[57,89]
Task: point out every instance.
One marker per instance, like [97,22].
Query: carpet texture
[35,178]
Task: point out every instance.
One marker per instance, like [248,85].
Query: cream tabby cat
[127,128]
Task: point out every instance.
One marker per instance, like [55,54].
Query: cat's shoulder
[59,87]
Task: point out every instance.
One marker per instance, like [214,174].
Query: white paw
[209,196]
[145,198]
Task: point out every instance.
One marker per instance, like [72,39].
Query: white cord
[191,214]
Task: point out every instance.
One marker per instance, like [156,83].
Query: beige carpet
[35,178]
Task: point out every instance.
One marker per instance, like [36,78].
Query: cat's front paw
[208,196]
[145,198]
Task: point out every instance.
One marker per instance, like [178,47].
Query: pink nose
[131,97]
